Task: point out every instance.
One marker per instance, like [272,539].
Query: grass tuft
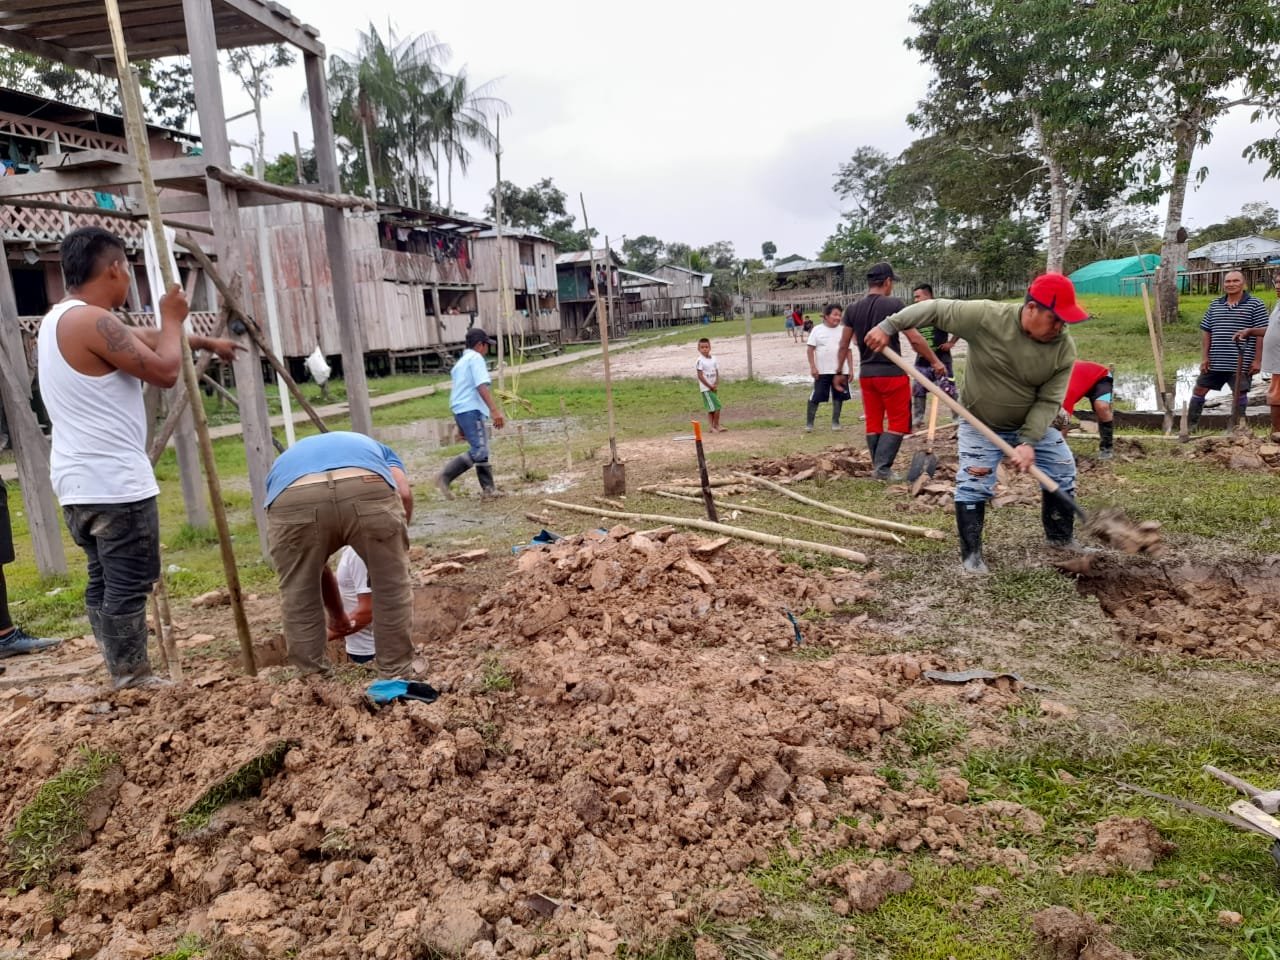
[246,781]
[55,816]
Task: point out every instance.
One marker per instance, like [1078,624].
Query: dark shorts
[1101,390]
[824,390]
[6,527]
[1217,379]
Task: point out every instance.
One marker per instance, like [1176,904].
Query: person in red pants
[886,390]
[1094,381]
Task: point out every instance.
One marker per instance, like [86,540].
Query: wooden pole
[178,405]
[502,259]
[1157,352]
[132,104]
[886,535]
[341,266]
[853,556]
[604,335]
[306,243]
[30,447]
[268,281]
[333,201]
[708,500]
[906,528]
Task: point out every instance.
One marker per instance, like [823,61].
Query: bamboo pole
[164,636]
[887,536]
[132,108]
[926,532]
[240,181]
[179,403]
[853,556]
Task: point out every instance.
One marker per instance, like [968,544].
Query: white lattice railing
[21,224]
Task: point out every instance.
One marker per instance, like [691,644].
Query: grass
[496,678]
[245,781]
[38,842]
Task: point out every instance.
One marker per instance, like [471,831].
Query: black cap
[880,272]
[476,336]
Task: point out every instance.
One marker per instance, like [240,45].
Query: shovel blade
[930,464]
[615,479]
[917,467]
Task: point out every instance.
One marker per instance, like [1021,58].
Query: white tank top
[99,426]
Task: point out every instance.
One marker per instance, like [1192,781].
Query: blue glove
[384,691]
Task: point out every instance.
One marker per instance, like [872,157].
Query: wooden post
[136,130]
[188,453]
[340,266]
[502,260]
[30,448]
[568,448]
[225,217]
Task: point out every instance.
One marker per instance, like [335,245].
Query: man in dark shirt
[942,342]
[886,390]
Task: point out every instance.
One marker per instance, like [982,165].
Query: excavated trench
[1209,610]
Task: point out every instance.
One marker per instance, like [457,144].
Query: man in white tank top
[92,368]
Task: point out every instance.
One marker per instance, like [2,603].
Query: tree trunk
[368,158]
[1060,201]
[1173,254]
[450,158]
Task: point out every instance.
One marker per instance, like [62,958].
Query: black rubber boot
[1195,407]
[873,441]
[484,473]
[917,411]
[970,518]
[124,643]
[836,407]
[95,624]
[886,453]
[451,472]
[809,414]
[1106,440]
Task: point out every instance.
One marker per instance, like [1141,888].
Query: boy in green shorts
[708,379]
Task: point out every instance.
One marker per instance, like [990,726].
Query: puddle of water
[1140,389]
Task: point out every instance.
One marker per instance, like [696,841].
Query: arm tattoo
[117,338]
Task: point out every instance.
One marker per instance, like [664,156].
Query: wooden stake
[568,449]
[138,146]
[1157,352]
[164,637]
[524,469]
[887,536]
[906,528]
[240,181]
[741,533]
[707,499]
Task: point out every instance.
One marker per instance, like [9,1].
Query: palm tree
[463,115]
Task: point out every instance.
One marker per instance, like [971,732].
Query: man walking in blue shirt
[471,402]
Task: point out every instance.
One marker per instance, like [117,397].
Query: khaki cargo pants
[308,523]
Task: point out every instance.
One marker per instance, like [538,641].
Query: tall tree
[1193,61]
[253,67]
[1029,74]
[768,250]
[543,209]
[462,114]
[643,253]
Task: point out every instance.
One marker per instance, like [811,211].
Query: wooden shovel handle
[933,422]
[1041,477]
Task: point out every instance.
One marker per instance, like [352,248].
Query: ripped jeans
[979,457]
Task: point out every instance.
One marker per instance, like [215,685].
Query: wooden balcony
[21,225]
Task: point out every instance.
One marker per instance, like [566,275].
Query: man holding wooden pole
[92,368]
[1018,367]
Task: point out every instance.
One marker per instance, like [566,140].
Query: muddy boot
[95,624]
[969,520]
[124,642]
[810,413]
[873,441]
[1059,525]
[484,473]
[886,453]
[836,407]
[1106,440]
[451,472]
[1195,407]
[917,411]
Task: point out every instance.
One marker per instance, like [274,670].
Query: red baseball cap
[1055,292]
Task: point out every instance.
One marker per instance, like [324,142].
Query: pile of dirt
[625,729]
[1066,935]
[1211,611]
[1123,843]
[846,461]
[1240,452]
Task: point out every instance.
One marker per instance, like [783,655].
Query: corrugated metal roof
[644,277]
[510,231]
[584,256]
[1235,250]
[796,266]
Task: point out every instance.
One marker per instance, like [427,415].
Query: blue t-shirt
[330,451]
[468,375]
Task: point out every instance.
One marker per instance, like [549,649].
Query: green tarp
[1107,276]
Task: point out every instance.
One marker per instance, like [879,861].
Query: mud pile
[1239,453]
[1213,611]
[627,726]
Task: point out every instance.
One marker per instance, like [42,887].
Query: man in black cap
[886,390]
[471,402]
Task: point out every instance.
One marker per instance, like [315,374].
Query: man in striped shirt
[1236,310]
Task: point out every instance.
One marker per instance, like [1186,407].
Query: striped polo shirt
[1222,320]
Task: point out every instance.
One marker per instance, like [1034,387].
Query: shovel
[1110,526]
[924,465]
[1237,393]
[614,475]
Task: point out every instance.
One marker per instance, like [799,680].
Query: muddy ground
[630,721]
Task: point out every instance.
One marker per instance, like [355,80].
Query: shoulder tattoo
[117,338]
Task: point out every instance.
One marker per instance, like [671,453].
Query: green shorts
[711,401]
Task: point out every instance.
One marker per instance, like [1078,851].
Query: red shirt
[1083,376]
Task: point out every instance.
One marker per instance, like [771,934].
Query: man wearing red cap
[1019,364]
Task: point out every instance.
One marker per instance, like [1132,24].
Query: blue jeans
[122,542]
[979,457]
[471,423]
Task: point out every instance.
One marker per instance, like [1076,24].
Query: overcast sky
[690,121]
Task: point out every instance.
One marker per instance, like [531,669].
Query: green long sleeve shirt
[1011,382]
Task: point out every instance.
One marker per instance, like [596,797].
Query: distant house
[809,274]
[577,291]
[688,291]
[1236,252]
[530,261]
[647,300]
